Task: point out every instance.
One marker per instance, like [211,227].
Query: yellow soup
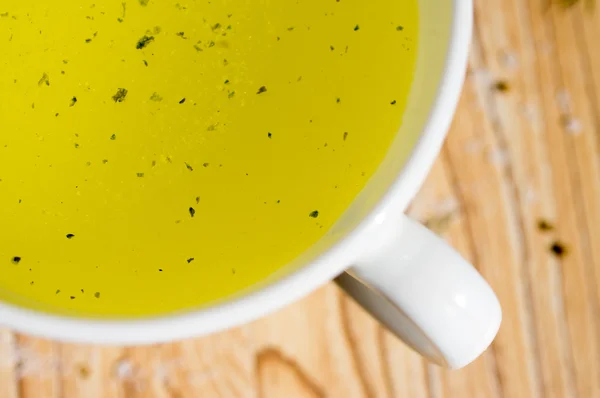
[157,155]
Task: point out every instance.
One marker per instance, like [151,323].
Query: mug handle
[427,294]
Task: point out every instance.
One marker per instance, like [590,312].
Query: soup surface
[156,155]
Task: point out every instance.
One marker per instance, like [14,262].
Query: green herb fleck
[122,17]
[72,297]
[160,270]
[156,97]
[216,26]
[262,89]
[338,100]
[393,102]
[16,260]
[314,214]
[226,81]
[356,28]
[197,199]
[205,164]
[190,168]
[399,28]
[45,79]
[332,48]
[192,211]
[70,236]
[73,101]
[140,175]
[144,41]
[345,135]
[113,137]
[57,291]
[97,294]
[231,94]
[182,101]
[145,62]
[120,95]
[181,34]
[189,260]
[269,135]
[144,3]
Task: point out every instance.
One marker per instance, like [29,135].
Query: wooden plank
[518,153]
[9,365]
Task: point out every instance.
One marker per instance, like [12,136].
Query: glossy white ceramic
[409,279]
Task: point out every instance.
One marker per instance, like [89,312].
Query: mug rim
[284,291]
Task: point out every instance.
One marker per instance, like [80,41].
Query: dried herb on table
[570,3]
[262,89]
[70,236]
[544,226]
[192,212]
[559,249]
[501,86]
[16,260]
[314,214]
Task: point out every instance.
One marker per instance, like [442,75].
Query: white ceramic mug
[405,276]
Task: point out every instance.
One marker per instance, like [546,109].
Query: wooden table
[516,190]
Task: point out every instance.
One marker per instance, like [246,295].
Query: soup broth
[159,155]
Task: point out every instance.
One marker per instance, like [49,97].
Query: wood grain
[519,152]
